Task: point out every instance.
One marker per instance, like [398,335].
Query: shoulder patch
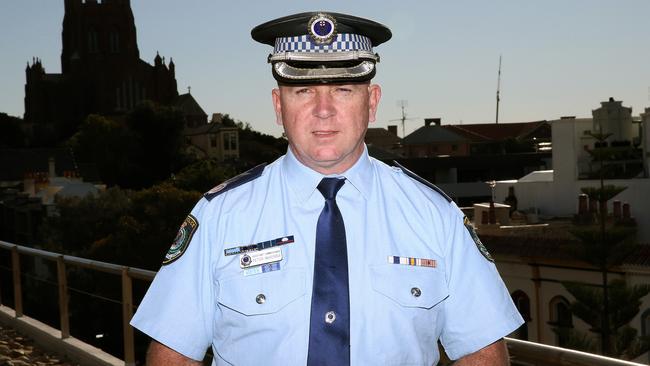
[477,241]
[236,181]
[423,181]
[182,240]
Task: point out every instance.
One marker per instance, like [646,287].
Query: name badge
[258,258]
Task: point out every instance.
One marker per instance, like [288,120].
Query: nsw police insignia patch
[477,241]
[182,240]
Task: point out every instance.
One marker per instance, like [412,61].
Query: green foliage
[603,250]
[137,151]
[202,175]
[11,135]
[82,221]
[110,145]
[120,226]
[624,304]
[255,147]
[605,194]
[575,339]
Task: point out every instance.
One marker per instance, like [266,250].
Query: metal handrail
[126,273]
[522,352]
[543,354]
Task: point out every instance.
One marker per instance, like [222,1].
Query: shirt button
[330,317]
[416,292]
[260,299]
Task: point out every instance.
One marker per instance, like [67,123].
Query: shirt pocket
[264,293]
[410,286]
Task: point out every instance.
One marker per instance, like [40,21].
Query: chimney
[617,209]
[393,129]
[583,205]
[429,121]
[51,167]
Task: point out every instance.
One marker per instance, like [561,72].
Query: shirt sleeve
[177,310]
[479,310]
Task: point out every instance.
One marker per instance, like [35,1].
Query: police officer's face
[326,124]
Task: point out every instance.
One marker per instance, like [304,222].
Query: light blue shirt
[205,298]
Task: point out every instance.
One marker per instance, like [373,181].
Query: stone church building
[101,71]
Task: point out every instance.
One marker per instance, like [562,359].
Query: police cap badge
[322,47]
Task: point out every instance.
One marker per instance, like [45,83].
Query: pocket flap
[264,293]
[410,286]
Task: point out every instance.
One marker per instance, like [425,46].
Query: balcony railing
[523,353]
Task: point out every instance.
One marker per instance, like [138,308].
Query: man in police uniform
[326,256]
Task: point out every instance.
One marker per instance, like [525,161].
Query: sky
[559,57]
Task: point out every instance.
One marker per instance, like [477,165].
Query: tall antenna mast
[403,104]
[498,90]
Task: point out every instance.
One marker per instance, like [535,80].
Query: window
[561,319]
[230,140]
[522,302]
[645,323]
[114,41]
[92,41]
[213,140]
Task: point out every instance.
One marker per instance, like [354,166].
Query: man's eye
[303,91]
[343,90]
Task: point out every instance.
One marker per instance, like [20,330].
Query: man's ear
[277,105]
[374,95]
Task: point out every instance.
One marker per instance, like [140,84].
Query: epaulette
[423,181]
[236,181]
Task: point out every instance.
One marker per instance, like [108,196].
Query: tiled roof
[206,128]
[189,106]
[553,249]
[381,137]
[433,133]
[380,153]
[15,163]
[497,132]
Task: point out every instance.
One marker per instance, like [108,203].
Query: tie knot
[328,187]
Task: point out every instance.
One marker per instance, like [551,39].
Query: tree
[605,245]
[136,151]
[255,147]
[158,132]
[11,135]
[202,175]
[144,233]
[82,222]
[110,145]
[625,302]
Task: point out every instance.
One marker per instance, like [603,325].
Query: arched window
[522,302]
[645,323]
[561,319]
[114,41]
[93,46]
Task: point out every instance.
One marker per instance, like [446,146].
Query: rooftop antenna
[402,104]
[498,90]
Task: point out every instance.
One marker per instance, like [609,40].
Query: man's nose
[324,104]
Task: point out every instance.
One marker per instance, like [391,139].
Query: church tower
[101,70]
[96,33]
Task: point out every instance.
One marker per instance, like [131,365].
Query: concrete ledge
[50,339]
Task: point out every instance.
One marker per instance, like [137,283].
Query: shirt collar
[304,180]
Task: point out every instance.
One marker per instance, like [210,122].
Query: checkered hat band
[343,42]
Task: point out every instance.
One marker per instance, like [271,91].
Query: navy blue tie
[329,328]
